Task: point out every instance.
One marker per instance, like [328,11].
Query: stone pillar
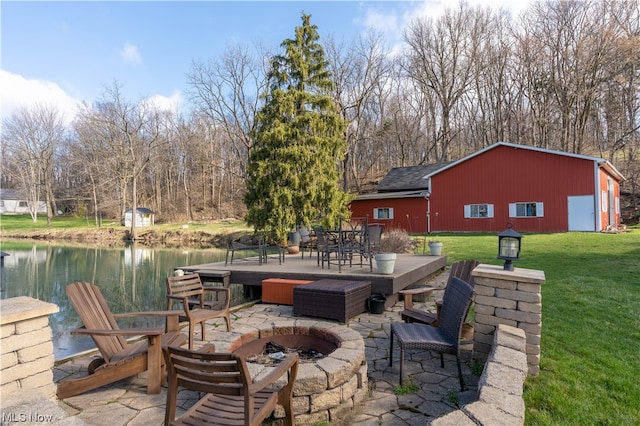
[26,348]
[512,298]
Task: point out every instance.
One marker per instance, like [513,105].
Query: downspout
[598,206]
[427,196]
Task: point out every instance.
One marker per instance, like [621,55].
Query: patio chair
[445,338]
[325,245]
[248,243]
[373,238]
[307,240]
[189,292]
[119,358]
[461,269]
[231,398]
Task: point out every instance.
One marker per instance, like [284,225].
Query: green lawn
[590,359]
[70,223]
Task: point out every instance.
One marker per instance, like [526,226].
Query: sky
[65,53]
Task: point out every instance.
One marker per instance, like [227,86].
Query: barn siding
[408,213]
[611,202]
[500,176]
[507,175]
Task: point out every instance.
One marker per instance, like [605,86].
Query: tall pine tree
[292,176]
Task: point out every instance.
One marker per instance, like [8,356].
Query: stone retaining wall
[500,387]
[26,348]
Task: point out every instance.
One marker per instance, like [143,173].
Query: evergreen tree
[292,176]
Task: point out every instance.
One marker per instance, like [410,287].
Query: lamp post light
[509,247]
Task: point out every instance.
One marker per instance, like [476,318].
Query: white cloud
[380,21]
[171,103]
[18,92]
[130,53]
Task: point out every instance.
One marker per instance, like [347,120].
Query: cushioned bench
[331,299]
[280,290]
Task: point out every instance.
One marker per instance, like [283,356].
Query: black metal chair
[308,240]
[372,240]
[445,338]
[325,245]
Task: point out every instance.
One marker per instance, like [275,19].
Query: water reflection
[131,279]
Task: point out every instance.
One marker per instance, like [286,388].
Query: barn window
[22,204]
[383,213]
[478,210]
[526,210]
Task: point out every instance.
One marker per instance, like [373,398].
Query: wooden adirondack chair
[189,292]
[230,397]
[120,359]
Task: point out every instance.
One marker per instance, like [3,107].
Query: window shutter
[467,211]
[489,210]
[375,214]
[390,212]
[513,210]
[539,209]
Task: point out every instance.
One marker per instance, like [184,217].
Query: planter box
[280,290]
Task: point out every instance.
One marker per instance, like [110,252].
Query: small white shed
[144,217]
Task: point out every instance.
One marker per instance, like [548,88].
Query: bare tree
[226,91]
[441,57]
[32,136]
[130,134]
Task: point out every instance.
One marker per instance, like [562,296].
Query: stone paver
[126,402]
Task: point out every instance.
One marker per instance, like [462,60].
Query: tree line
[562,76]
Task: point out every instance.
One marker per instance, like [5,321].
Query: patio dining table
[346,243]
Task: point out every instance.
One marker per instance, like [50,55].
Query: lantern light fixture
[509,243]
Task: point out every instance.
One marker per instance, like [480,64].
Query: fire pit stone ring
[327,387]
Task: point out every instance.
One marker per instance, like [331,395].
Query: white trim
[376,210]
[513,209]
[468,215]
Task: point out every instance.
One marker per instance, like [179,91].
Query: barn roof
[409,178]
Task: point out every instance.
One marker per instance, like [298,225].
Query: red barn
[533,189]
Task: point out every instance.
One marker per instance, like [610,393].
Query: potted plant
[391,243]
[293,242]
[435,248]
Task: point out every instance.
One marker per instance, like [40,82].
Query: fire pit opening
[267,349]
[310,347]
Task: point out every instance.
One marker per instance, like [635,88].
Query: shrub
[397,241]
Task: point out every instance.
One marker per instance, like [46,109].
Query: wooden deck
[409,269]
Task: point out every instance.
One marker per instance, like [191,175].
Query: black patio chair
[445,338]
[308,240]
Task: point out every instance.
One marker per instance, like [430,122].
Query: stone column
[512,298]
[26,348]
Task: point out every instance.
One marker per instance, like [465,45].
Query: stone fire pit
[326,388]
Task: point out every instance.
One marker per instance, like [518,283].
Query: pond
[130,278]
